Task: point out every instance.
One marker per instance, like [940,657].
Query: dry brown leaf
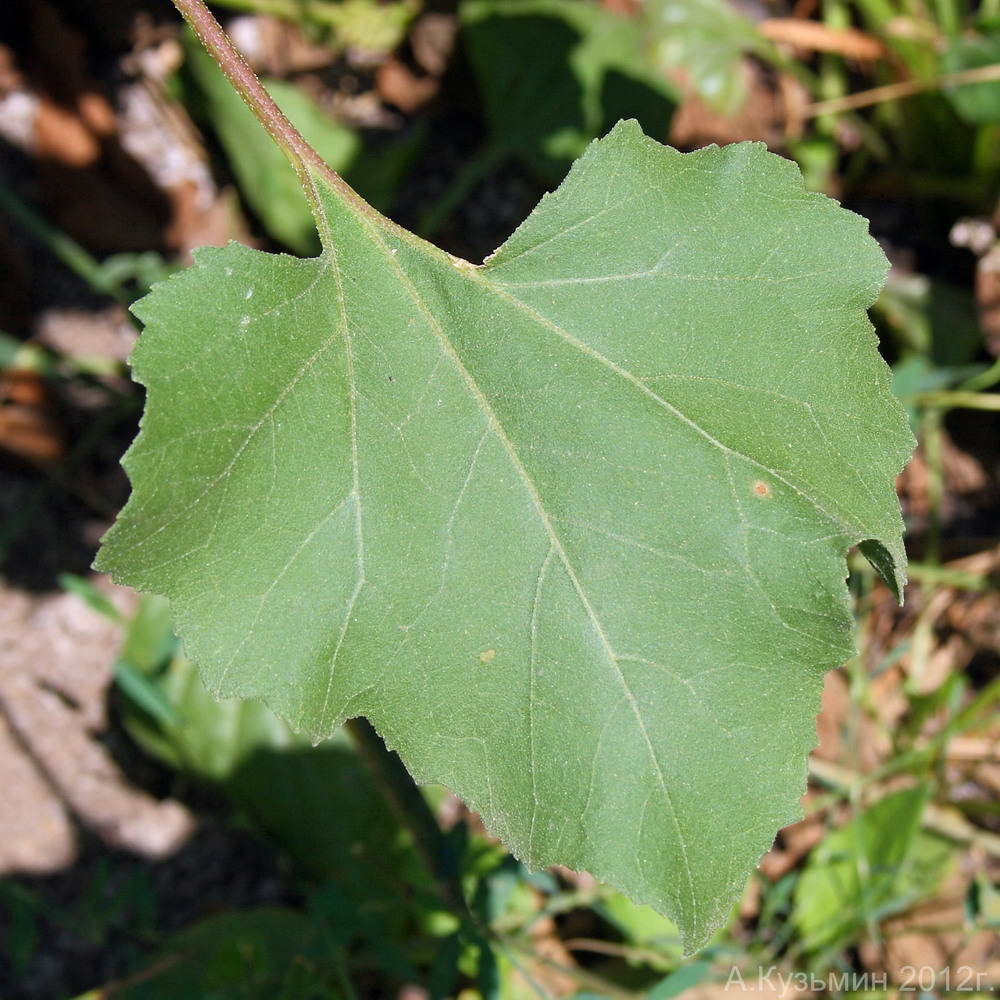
[30,427]
[762,117]
[274,47]
[398,85]
[794,843]
[812,36]
[988,297]
[933,936]
[432,39]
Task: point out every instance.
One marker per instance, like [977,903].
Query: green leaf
[142,692]
[976,103]
[568,527]
[90,595]
[319,804]
[875,865]
[555,74]
[680,981]
[231,956]
[706,41]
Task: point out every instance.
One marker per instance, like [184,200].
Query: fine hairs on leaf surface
[568,527]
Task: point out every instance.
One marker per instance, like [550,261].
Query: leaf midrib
[555,541]
[378,229]
[479,274]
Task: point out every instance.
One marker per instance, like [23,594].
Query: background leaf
[875,865]
[265,176]
[555,74]
[977,103]
[569,528]
[705,40]
[319,804]
[232,956]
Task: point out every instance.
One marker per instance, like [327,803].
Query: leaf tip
[888,566]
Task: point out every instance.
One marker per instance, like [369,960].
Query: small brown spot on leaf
[761,489]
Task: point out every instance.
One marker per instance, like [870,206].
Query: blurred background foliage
[123,147]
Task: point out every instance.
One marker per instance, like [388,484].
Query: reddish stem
[306,161]
[301,155]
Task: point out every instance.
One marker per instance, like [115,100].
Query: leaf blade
[526,562]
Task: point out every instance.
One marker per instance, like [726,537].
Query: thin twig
[946,398]
[905,88]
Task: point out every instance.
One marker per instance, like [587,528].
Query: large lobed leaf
[569,527]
